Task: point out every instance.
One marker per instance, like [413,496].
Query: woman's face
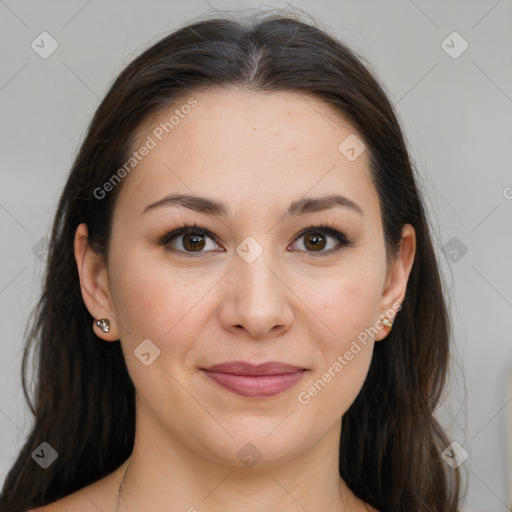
[247,284]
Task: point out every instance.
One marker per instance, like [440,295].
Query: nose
[257,299]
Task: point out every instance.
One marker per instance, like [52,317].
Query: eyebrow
[213,207]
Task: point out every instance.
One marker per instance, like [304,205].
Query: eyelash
[324,229]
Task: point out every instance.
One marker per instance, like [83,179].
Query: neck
[162,475]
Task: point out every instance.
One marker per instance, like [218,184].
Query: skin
[257,152]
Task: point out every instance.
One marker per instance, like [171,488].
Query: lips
[257,381]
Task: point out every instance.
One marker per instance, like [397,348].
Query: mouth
[256,381]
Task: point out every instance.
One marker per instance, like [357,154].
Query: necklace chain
[121,485]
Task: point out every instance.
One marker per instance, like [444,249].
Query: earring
[387,322]
[103,324]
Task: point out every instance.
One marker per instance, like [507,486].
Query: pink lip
[257,381]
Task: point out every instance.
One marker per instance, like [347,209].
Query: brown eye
[314,241]
[193,242]
[190,241]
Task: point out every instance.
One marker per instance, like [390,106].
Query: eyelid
[342,239]
[184,230]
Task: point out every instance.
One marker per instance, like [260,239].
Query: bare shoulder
[100,495]
[76,502]
[80,501]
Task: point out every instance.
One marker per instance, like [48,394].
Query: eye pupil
[315,240]
[194,240]
[197,244]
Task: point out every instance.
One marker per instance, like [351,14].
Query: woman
[239,233]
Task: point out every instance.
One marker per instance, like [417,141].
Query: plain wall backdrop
[447,67]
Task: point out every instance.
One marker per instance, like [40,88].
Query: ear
[397,277]
[94,283]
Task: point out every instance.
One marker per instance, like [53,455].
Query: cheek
[345,301]
[331,392]
[149,300]
[156,303]
[347,307]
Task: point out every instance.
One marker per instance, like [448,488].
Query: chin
[260,442]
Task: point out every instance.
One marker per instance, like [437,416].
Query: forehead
[237,145]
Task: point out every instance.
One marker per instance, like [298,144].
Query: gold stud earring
[387,322]
[103,324]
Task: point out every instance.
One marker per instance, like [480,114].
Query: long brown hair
[390,451]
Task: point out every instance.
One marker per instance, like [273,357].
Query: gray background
[457,116]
